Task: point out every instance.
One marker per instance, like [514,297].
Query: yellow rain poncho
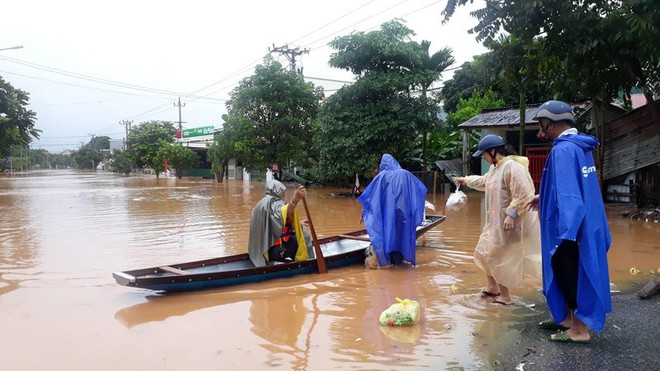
[508,256]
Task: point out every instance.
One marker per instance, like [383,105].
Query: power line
[91,78]
[333,21]
[330,80]
[147,113]
[356,23]
[366,19]
[253,63]
[89,87]
[241,70]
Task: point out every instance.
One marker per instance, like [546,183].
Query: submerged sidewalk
[629,341]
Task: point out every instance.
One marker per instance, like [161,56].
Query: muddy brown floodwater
[63,233]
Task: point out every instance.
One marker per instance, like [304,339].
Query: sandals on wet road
[563,337]
[551,325]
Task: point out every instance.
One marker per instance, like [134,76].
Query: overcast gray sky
[88,65]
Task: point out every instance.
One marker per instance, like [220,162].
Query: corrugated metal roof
[454,166]
[510,116]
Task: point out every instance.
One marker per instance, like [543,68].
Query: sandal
[549,324]
[563,337]
[485,293]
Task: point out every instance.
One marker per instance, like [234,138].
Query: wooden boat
[338,251]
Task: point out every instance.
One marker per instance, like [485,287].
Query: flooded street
[63,233]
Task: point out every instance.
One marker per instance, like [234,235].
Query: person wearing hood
[392,208]
[508,248]
[575,236]
[276,232]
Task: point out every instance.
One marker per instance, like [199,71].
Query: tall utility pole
[126,124]
[180,122]
[290,54]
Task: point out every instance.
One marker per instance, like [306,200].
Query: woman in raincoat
[509,246]
[276,231]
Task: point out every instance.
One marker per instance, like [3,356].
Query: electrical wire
[92,78]
[356,23]
[88,87]
[333,21]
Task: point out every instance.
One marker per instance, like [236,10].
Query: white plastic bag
[456,200]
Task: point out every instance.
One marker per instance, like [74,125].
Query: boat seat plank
[359,238]
[173,270]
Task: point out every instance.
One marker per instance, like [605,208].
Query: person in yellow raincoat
[509,246]
[276,232]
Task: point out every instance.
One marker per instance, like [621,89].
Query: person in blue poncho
[575,236]
[392,208]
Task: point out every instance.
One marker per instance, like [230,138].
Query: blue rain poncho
[392,208]
[571,208]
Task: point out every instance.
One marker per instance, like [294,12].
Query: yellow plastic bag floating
[403,312]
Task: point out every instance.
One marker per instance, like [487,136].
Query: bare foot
[492,292]
[503,301]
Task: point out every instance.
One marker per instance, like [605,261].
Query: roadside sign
[198,132]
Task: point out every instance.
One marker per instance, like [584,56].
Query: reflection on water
[18,248]
[63,233]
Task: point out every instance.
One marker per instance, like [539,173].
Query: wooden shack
[631,166]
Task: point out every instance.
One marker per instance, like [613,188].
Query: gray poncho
[267,223]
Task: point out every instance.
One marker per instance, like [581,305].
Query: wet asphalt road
[629,341]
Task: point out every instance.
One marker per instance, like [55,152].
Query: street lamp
[12,47]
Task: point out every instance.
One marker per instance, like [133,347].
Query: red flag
[166,167]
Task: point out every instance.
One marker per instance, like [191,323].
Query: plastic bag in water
[403,312]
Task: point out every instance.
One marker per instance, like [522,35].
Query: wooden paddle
[320,260]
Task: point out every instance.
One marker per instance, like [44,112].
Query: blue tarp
[392,208]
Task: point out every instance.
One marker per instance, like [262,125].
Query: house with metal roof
[505,122]
[631,164]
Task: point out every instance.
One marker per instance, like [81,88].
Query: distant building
[505,122]
[116,144]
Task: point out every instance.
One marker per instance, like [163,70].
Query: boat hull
[338,251]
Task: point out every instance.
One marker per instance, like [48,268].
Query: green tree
[468,108]
[145,141]
[429,71]
[472,76]
[607,45]
[60,161]
[179,157]
[448,145]
[274,108]
[40,159]
[16,121]
[87,157]
[121,163]
[378,113]
[222,150]
[517,65]
[102,142]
